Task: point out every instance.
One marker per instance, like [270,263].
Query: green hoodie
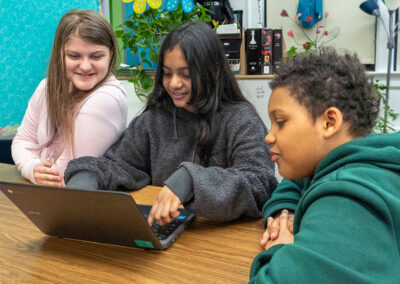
[347,220]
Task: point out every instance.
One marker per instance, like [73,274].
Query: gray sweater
[158,148]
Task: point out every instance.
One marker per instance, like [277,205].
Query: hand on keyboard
[165,208]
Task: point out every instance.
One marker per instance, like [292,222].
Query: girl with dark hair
[80,109]
[198,137]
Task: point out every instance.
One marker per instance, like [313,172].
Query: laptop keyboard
[163,232]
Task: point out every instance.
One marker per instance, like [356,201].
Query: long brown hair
[91,27]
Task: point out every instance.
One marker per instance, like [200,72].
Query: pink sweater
[99,122]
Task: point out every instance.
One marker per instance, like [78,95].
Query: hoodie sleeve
[25,152]
[244,186]
[285,196]
[125,165]
[337,241]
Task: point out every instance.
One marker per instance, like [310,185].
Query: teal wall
[27,29]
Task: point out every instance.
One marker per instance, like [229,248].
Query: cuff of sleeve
[181,184]
[262,259]
[27,169]
[271,210]
[83,180]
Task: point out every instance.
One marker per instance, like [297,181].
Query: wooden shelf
[254,76]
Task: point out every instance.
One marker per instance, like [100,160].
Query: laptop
[110,217]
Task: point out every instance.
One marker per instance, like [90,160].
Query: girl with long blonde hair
[80,109]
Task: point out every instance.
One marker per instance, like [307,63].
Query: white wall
[135,105]
[357,29]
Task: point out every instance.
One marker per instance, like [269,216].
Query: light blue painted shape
[171,5]
[187,6]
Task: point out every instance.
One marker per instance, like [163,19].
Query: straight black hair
[213,83]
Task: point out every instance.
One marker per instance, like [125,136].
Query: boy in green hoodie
[335,218]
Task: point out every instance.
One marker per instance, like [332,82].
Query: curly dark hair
[327,79]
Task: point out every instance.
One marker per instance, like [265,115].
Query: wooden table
[207,252]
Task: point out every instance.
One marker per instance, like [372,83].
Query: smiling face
[297,142]
[86,63]
[176,78]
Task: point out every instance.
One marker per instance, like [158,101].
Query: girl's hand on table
[45,175]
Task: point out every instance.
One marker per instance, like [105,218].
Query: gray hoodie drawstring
[175,130]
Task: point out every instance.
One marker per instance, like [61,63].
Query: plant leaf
[153,55]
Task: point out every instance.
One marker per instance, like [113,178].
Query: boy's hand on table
[45,175]
[165,208]
[274,227]
[285,234]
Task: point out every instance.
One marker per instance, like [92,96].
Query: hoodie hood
[381,150]
[184,115]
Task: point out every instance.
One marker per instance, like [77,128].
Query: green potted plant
[142,33]
[384,125]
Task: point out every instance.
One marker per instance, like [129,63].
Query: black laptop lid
[99,216]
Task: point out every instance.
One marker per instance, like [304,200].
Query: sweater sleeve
[125,165]
[24,149]
[337,242]
[181,184]
[98,124]
[285,196]
[244,186]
